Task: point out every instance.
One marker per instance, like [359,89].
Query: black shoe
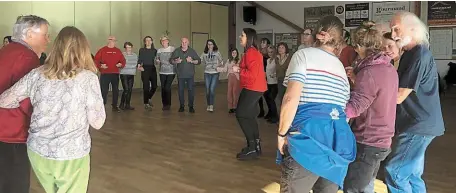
[248,153]
[273,120]
[267,117]
[258,146]
[122,106]
[166,108]
[261,114]
[231,111]
[115,109]
[129,108]
[181,109]
[191,110]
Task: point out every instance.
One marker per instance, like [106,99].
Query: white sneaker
[211,108]
[208,108]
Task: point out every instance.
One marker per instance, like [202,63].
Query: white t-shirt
[323,76]
[271,75]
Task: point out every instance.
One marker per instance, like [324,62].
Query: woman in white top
[234,87]
[211,59]
[271,93]
[66,98]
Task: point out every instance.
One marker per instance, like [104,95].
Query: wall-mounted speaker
[250,15]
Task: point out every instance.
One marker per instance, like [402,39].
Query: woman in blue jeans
[211,59]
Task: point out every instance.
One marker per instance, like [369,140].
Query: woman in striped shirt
[312,120]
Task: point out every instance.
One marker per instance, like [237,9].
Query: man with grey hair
[30,38]
[418,115]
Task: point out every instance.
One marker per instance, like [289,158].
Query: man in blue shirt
[418,115]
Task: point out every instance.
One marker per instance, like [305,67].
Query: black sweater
[147,56]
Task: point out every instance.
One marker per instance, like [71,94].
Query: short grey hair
[411,21]
[25,23]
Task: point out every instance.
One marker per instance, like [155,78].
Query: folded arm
[95,108]
[363,95]
[13,96]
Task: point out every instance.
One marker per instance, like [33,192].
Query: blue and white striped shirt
[323,76]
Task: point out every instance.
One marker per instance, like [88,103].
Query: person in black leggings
[127,76]
[253,84]
[167,71]
[146,60]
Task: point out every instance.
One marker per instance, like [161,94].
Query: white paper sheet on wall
[442,43]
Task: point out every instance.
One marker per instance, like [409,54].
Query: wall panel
[154,19]
[93,18]
[200,17]
[219,30]
[201,23]
[125,25]
[59,15]
[10,11]
[178,21]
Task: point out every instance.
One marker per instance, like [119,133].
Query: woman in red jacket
[253,85]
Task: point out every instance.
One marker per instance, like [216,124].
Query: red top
[110,57]
[347,56]
[251,74]
[16,60]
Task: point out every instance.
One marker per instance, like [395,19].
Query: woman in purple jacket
[372,104]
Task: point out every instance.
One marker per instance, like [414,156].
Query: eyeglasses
[210,44]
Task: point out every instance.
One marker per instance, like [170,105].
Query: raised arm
[21,90]
[122,61]
[96,113]
[410,78]
[196,58]
[363,95]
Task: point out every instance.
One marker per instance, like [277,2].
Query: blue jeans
[190,82]
[211,82]
[406,164]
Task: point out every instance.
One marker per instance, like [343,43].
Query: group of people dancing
[337,122]
[348,107]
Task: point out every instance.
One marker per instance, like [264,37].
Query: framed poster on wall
[356,14]
[293,40]
[384,11]
[441,13]
[313,14]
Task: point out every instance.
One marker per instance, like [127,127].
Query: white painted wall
[293,11]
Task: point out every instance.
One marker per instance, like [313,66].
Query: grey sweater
[211,60]
[185,69]
[130,65]
[164,54]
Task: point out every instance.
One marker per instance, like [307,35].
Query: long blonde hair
[70,55]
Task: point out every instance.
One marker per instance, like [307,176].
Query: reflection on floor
[171,152]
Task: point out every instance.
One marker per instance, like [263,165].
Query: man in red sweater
[30,38]
[109,59]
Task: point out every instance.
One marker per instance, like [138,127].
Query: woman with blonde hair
[372,104]
[66,98]
[320,144]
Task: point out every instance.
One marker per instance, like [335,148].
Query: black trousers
[149,79]
[269,97]
[166,81]
[247,112]
[365,167]
[14,168]
[127,85]
[260,104]
[105,81]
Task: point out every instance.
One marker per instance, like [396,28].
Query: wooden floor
[171,152]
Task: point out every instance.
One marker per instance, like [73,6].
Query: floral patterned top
[62,112]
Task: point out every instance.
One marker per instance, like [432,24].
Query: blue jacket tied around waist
[321,141]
